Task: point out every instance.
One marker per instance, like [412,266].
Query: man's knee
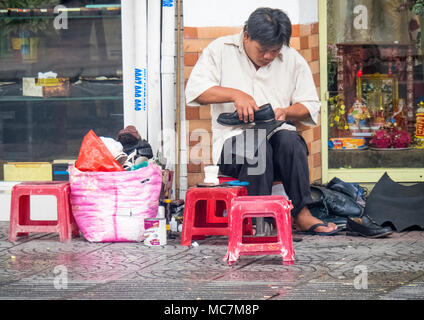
[289,141]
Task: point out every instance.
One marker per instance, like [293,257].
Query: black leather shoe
[264,114]
[337,203]
[366,227]
[353,190]
[320,212]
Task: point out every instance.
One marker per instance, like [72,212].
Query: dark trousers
[283,157]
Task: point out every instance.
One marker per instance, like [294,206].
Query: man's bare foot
[304,220]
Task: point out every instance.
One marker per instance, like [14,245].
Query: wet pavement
[326,268]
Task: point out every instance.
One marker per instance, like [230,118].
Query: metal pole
[178,89]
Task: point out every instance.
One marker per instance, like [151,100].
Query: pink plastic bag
[112,206]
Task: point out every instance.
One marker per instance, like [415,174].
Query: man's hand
[295,112]
[244,103]
[245,106]
[280,114]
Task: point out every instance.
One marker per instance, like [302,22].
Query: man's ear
[245,35]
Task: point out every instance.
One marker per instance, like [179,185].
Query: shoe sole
[351,233]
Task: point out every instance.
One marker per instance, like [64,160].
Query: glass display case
[375,87]
[60,76]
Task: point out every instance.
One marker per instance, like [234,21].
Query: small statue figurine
[358,116]
[398,117]
[379,118]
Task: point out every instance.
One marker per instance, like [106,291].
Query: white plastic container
[155,232]
[173,225]
[161,212]
[211,174]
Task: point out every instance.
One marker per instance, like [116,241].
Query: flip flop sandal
[311,230]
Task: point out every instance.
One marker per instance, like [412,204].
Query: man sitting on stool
[257,67]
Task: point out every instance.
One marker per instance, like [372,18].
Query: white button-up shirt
[285,81]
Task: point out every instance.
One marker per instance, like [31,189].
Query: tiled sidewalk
[40,267]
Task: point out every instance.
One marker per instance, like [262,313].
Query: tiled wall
[304,39]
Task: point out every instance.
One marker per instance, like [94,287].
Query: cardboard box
[45,88]
[27,171]
[346,143]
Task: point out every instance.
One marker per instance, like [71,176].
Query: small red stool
[20,221]
[277,207]
[203,212]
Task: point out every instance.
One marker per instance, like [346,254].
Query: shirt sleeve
[204,75]
[306,93]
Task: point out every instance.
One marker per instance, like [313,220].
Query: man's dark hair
[269,27]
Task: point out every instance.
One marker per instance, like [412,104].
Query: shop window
[376,84]
[58,79]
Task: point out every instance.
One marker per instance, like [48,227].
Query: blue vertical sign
[168,3]
[140,89]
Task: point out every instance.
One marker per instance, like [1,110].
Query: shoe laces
[362,194]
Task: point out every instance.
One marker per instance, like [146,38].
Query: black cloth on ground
[395,204]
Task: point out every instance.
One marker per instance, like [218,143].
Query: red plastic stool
[277,207]
[20,221]
[203,212]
